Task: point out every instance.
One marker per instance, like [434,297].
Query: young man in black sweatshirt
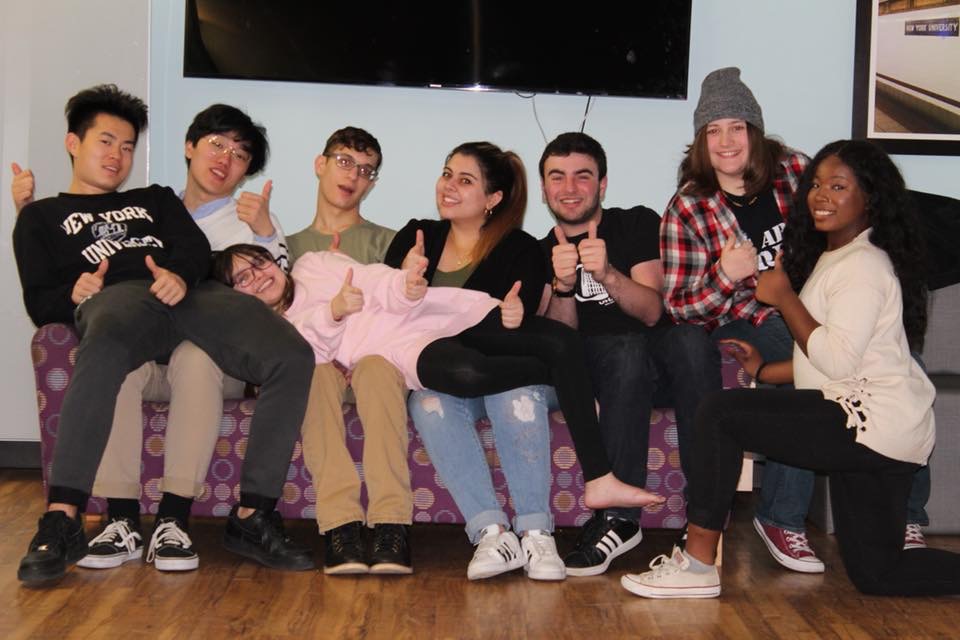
[129,269]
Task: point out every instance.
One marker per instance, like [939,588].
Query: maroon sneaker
[789,548]
[913,538]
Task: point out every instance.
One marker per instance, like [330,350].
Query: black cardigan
[518,256]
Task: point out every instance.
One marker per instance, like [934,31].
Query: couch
[54,350]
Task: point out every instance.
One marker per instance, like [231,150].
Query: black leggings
[868,490]
[487,359]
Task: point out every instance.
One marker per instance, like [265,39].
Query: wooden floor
[229,597]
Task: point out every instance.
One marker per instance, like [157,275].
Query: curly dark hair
[893,227]
[221,268]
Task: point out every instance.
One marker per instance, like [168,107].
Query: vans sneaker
[119,542]
[171,548]
[602,538]
[789,548]
[497,552]
[670,577]
[543,561]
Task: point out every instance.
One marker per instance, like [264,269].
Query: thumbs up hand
[349,300]
[415,286]
[254,209]
[511,309]
[564,258]
[167,287]
[89,284]
[22,186]
[593,254]
[416,258]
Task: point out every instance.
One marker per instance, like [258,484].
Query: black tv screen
[604,47]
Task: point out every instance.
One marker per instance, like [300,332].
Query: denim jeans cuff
[482,520]
[773,523]
[528,521]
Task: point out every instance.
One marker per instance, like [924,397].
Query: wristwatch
[562,294]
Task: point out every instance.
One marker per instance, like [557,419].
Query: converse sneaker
[602,538]
[261,537]
[497,552]
[670,577]
[170,547]
[344,552]
[789,548]
[391,550]
[913,539]
[119,542]
[543,561]
[58,543]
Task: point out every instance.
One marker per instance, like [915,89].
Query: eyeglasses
[219,147]
[245,277]
[348,162]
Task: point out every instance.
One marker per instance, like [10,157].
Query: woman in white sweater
[862,409]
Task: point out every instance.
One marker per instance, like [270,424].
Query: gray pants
[124,326]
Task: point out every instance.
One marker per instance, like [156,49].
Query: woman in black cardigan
[478,244]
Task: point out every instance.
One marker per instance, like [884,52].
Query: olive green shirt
[365,242]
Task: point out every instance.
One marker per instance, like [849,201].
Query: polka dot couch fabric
[54,349]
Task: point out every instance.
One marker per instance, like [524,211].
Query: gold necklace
[734,200]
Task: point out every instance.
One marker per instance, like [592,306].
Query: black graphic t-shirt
[760,220]
[632,236]
[57,239]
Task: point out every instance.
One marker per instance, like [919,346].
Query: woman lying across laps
[862,408]
[457,341]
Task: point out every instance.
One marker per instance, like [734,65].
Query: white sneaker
[669,578]
[912,539]
[119,542]
[170,547]
[543,561]
[497,552]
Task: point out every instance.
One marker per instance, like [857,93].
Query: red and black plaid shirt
[692,234]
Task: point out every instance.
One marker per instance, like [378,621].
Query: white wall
[51,50]
[796,56]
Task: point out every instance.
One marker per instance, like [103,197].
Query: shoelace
[496,546]
[797,542]
[345,538]
[663,565]
[168,533]
[388,539]
[914,535]
[119,534]
[593,532]
[541,543]
[49,533]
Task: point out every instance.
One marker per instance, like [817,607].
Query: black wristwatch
[563,294]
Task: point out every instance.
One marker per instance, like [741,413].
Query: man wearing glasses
[223,147]
[347,170]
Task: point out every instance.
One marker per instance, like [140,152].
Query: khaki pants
[195,388]
[382,407]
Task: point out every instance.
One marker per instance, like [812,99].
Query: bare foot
[607,491]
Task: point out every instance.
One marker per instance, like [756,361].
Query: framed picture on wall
[906,90]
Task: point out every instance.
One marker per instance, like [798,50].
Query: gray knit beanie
[723,95]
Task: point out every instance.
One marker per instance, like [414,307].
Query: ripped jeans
[521,433]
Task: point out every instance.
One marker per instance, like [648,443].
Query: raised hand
[564,259]
[254,209]
[773,284]
[738,259]
[22,187]
[511,309]
[89,284]
[167,287]
[593,253]
[349,300]
[415,286]
[416,258]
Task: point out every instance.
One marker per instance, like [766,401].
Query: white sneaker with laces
[543,561]
[119,542]
[670,577]
[497,552]
[912,539]
[170,547]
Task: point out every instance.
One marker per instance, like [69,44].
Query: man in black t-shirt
[129,269]
[607,282]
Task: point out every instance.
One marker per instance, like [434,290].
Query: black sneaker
[391,549]
[602,538]
[261,537]
[171,548]
[119,542]
[59,542]
[344,553]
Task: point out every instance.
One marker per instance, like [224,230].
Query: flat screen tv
[603,47]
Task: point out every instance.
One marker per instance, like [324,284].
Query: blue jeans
[785,491]
[521,431]
[674,365]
